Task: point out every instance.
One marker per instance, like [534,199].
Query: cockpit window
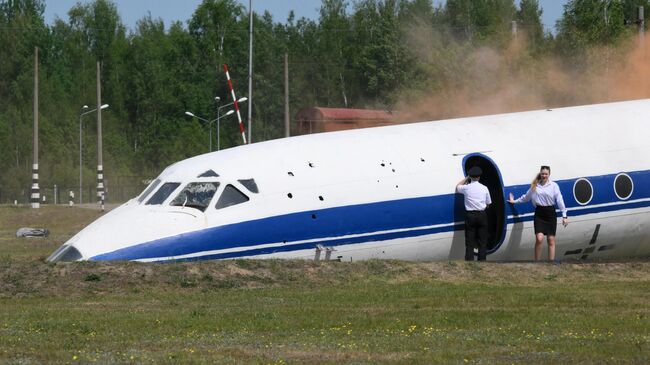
[196,195]
[250,185]
[65,254]
[209,173]
[163,193]
[148,190]
[231,196]
[69,255]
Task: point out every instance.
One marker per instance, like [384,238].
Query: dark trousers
[476,234]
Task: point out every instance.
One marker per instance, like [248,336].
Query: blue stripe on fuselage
[363,221]
[331,222]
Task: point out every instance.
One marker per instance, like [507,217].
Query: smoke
[461,80]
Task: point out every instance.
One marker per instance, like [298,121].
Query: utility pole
[641,25]
[35,198]
[513,28]
[287,120]
[250,68]
[468,27]
[345,98]
[81,171]
[100,167]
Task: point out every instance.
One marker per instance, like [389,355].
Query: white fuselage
[388,192]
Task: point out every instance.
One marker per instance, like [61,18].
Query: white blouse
[545,195]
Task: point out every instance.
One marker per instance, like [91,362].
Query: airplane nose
[125,227]
[79,247]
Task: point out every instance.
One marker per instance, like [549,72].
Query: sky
[171,10]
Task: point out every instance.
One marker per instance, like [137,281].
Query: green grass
[62,222]
[276,312]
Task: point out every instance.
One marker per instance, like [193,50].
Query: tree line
[373,54]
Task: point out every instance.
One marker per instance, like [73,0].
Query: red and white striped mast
[234,99]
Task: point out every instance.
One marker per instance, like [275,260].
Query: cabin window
[231,196]
[623,186]
[250,185]
[148,190]
[209,173]
[163,193]
[583,191]
[196,195]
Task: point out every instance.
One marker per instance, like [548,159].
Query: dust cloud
[480,81]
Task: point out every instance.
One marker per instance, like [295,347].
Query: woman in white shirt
[545,194]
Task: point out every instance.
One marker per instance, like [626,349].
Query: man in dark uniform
[477,198]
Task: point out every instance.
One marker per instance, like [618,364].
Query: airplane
[389,193]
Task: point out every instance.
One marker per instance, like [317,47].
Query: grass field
[276,312]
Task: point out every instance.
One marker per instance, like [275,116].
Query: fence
[124,188]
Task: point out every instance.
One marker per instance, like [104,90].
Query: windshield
[196,195]
[161,195]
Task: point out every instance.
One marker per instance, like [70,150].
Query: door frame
[503,211]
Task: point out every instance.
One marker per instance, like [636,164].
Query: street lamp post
[218,119]
[218,100]
[203,120]
[85,107]
[240,100]
[219,129]
[209,123]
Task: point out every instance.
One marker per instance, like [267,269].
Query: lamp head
[104,106]
[190,114]
[230,112]
[242,99]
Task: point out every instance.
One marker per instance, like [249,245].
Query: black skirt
[545,220]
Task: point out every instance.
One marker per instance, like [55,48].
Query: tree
[21,29]
[379,50]
[590,22]
[377,55]
[631,8]
[486,21]
[529,17]
[333,50]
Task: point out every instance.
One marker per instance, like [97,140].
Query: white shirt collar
[548,183]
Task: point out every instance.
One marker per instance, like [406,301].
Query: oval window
[623,186]
[583,191]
